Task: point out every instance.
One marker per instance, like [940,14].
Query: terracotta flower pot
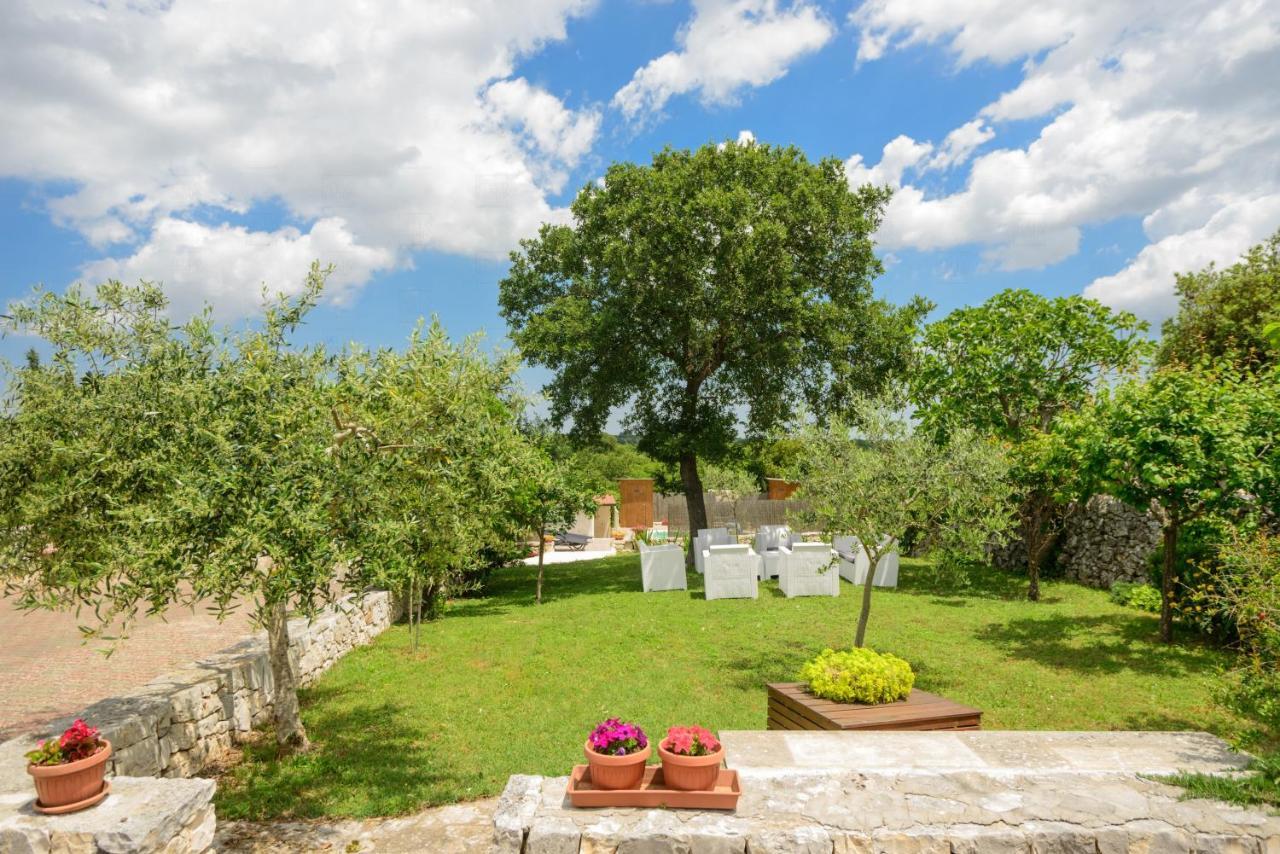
[616,772]
[690,773]
[72,782]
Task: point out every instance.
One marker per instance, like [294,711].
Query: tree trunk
[1166,580]
[865,614]
[542,547]
[693,498]
[289,730]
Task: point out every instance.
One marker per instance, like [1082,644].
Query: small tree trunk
[693,498]
[1166,580]
[542,548]
[865,614]
[288,719]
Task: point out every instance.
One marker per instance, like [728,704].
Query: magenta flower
[617,738]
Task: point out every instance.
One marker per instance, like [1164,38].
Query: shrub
[858,675]
[1144,597]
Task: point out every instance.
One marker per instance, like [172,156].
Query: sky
[219,147]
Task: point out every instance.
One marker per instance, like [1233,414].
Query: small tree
[734,276]
[146,466]
[548,498]
[1009,368]
[880,481]
[731,484]
[1186,442]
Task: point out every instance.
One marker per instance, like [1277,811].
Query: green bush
[858,675]
[1144,597]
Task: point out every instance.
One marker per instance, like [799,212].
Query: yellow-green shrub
[858,675]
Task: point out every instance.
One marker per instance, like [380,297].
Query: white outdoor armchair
[706,538]
[854,563]
[731,572]
[808,569]
[662,567]
[769,542]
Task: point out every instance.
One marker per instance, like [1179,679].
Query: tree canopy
[706,293]
[1228,313]
[1008,368]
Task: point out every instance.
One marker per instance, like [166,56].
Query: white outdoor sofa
[808,569]
[769,542]
[662,568]
[854,563]
[706,538]
[731,572]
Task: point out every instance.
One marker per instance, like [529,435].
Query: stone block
[137,760]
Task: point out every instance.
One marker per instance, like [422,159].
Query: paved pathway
[455,829]
[47,672]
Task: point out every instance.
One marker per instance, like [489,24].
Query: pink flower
[690,741]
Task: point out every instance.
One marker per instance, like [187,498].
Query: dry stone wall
[179,723]
[1103,542]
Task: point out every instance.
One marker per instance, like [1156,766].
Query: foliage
[1144,597]
[1008,368]
[144,465]
[601,464]
[444,459]
[380,716]
[690,741]
[617,738]
[882,481]
[1188,442]
[78,741]
[858,675]
[728,279]
[731,484]
[547,497]
[1226,314]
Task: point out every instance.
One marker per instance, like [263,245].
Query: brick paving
[46,671]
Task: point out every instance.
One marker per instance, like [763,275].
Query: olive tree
[1009,368]
[735,279]
[549,495]
[145,466]
[882,479]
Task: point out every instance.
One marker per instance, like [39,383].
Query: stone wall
[1103,542]
[175,725]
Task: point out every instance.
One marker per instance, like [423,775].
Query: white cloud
[401,120]
[230,266]
[746,137]
[1160,111]
[900,154]
[727,46]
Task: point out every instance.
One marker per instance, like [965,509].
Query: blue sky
[1032,144]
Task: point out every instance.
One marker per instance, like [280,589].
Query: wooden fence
[752,511]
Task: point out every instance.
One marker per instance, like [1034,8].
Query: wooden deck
[793,707]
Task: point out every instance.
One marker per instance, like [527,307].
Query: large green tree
[1188,442]
[1008,368]
[144,466]
[707,293]
[883,479]
[1227,313]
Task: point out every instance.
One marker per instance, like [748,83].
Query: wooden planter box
[793,707]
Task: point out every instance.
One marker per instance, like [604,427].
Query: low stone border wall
[175,725]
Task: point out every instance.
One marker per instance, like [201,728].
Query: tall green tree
[145,466]
[1226,314]
[1009,368]
[1188,442]
[883,479]
[730,280]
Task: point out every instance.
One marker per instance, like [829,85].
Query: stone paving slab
[455,829]
[1151,753]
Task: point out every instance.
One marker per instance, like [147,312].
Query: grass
[502,686]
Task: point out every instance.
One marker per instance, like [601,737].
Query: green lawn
[503,686]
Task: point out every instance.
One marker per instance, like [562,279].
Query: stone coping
[1077,795]
[991,751]
[142,814]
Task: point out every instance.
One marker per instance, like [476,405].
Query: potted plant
[691,758]
[69,771]
[616,753]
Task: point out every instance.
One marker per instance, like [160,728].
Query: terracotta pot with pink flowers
[616,753]
[69,771]
[691,758]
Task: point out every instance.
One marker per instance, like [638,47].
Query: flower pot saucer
[78,805]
